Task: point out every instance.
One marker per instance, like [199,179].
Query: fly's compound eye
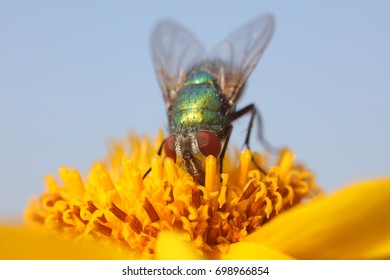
[208,143]
[170,148]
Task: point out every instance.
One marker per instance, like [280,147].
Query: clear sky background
[74,74]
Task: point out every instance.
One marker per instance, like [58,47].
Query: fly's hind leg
[251,109]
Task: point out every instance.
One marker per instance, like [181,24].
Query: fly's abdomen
[197,107]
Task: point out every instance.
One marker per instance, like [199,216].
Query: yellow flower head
[114,205]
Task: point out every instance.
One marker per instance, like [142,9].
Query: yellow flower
[115,214]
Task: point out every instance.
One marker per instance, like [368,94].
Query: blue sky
[74,74]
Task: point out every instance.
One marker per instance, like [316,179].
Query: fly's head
[192,147]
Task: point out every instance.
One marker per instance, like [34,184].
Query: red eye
[169,147]
[208,143]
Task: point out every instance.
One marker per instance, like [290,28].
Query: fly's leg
[225,144]
[251,109]
[159,153]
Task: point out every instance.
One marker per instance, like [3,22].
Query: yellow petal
[252,251]
[28,244]
[353,223]
[172,246]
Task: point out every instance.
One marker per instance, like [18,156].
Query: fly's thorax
[199,77]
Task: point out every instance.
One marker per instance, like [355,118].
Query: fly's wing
[234,59]
[175,50]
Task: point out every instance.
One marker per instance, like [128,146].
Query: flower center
[115,205]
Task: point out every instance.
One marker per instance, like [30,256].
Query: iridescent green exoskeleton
[201,92]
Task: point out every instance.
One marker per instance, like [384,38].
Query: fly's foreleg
[159,153]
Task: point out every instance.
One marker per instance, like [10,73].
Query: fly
[201,92]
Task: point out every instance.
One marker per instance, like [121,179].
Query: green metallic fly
[201,92]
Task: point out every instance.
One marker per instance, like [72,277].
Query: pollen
[114,205]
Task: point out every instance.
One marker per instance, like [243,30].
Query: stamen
[49,202]
[102,228]
[248,191]
[91,207]
[67,217]
[151,230]
[157,168]
[170,169]
[278,202]
[289,197]
[214,231]
[268,207]
[255,208]
[118,212]
[137,182]
[211,170]
[134,223]
[72,181]
[285,162]
[102,177]
[193,214]
[177,224]
[196,197]
[245,161]
[154,217]
[168,194]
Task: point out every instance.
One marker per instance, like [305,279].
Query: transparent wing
[236,57]
[175,50]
